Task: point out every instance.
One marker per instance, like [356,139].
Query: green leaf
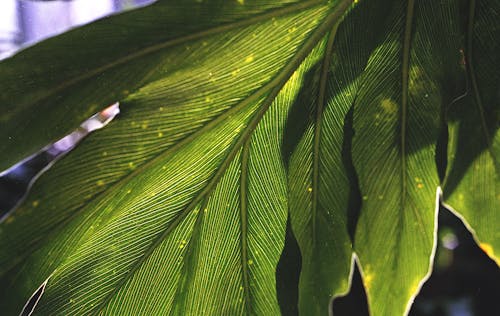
[103,62]
[321,180]
[234,116]
[183,179]
[472,185]
[396,124]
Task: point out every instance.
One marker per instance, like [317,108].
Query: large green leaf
[234,114]
[409,77]
[107,60]
[472,186]
[189,176]
[322,184]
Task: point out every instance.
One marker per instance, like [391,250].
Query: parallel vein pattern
[396,126]
[192,121]
[118,56]
[321,183]
[472,183]
[235,116]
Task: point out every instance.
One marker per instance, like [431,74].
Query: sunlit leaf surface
[235,116]
[396,123]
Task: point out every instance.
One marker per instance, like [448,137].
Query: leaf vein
[169,43]
[318,125]
[472,77]
[278,83]
[244,224]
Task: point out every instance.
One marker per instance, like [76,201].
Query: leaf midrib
[408,28]
[318,125]
[244,224]
[168,43]
[115,186]
[404,94]
[190,254]
[276,85]
[228,113]
[472,75]
[404,113]
[279,82]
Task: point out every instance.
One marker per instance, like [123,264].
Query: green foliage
[236,116]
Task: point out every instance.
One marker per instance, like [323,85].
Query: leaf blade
[472,184]
[396,123]
[116,211]
[107,75]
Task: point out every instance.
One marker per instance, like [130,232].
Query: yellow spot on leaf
[208,99]
[415,286]
[389,106]
[131,165]
[368,276]
[35,203]
[487,248]
[160,134]
[100,183]
[182,244]
[416,80]
[309,189]
[235,72]
[420,185]
[250,262]
[249,59]
[368,279]
[241,1]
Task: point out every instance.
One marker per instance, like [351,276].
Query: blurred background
[24,22]
[465,282]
